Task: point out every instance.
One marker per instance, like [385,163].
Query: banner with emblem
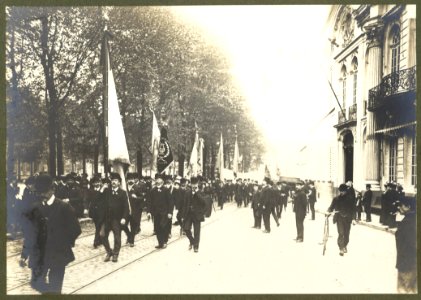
[165,157]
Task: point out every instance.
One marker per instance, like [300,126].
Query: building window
[392,159]
[343,88]
[355,78]
[414,161]
[396,47]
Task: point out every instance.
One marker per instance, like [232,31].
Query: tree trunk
[96,158]
[60,163]
[51,143]
[139,161]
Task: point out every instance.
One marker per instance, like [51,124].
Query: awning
[396,127]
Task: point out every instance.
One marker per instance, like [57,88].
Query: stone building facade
[373,74]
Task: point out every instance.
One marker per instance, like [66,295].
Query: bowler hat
[43,183]
[194,180]
[343,187]
[115,176]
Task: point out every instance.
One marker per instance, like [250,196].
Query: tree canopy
[55,84]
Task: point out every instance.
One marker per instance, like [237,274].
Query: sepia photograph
[210,149]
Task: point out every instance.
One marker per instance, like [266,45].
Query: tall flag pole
[236,154]
[193,163]
[105,61]
[118,154]
[219,166]
[156,137]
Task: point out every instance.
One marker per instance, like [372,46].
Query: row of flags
[162,156]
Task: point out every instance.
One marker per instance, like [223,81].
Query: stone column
[374,77]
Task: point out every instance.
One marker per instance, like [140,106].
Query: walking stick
[325,233]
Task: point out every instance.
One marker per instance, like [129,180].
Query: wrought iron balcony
[394,84]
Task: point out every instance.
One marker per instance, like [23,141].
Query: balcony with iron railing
[393,85]
[350,119]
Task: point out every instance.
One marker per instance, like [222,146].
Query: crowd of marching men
[48,209]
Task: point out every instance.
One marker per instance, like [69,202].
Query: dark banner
[165,156]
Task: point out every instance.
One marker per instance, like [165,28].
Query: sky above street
[279,61]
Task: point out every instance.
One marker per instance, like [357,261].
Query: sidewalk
[375,222]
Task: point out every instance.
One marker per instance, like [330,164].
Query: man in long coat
[58,235]
[300,209]
[117,215]
[161,207]
[193,214]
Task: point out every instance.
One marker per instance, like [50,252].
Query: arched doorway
[348,145]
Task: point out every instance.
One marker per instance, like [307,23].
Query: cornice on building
[393,13]
[361,14]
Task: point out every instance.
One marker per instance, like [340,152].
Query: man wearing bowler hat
[117,216]
[344,208]
[368,195]
[406,246]
[300,209]
[57,235]
[161,208]
[193,214]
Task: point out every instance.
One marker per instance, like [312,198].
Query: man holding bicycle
[344,208]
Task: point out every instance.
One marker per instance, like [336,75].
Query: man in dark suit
[267,203]
[136,204]
[312,199]
[161,206]
[391,198]
[256,206]
[97,207]
[368,194]
[72,193]
[117,216]
[300,209]
[406,246]
[193,214]
[58,235]
[344,208]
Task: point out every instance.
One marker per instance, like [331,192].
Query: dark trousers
[299,223]
[134,222]
[274,214]
[279,210]
[367,209]
[257,218]
[106,228]
[97,238]
[266,219]
[55,279]
[221,201]
[313,212]
[194,239]
[344,227]
[161,228]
